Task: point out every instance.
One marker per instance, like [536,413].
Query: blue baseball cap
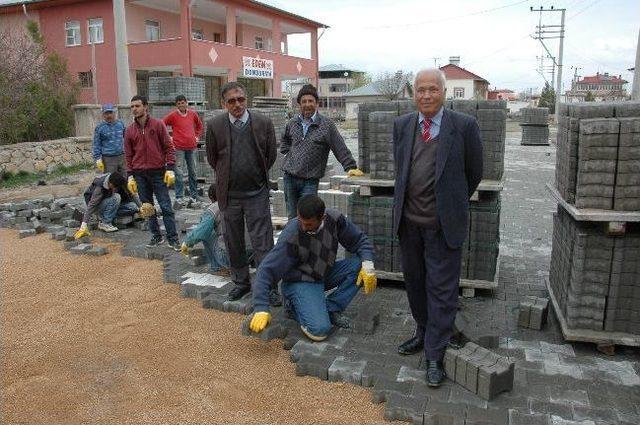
[108,107]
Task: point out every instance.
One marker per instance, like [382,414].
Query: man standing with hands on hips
[438,163]
[150,158]
[241,148]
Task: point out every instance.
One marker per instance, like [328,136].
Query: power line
[433,21]
[583,9]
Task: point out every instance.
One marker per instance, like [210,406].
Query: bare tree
[392,84]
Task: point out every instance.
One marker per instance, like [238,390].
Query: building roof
[257,4]
[454,72]
[371,89]
[501,91]
[602,79]
[336,68]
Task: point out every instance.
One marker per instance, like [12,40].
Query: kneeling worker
[305,259]
[108,197]
[210,231]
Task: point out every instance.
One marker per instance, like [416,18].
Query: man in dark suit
[241,147]
[438,163]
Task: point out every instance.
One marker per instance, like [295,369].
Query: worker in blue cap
[108,142]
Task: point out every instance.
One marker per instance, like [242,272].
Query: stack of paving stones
[380,216]
[535,126]
[597,155]
[533,312]
[595,277]
[380,144]
[481,248]
[163,91]
[492,120]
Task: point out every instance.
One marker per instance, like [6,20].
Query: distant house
[603,87]
[334,82]
[463,84]
[371,93]
[502,94]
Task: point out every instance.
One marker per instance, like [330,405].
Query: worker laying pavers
[210,231]
[305,259]
[107,197]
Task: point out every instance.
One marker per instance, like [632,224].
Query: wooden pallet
[615,220]
[375,187]
[605,340]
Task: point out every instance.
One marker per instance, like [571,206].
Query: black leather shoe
[435,373]
[340,320]
[411,346]
[238,292]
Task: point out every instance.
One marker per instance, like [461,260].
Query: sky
[492,37]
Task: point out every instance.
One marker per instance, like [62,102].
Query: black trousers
[432,275]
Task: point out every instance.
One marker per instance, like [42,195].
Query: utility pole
[635,90]
[546,32]
[435,61]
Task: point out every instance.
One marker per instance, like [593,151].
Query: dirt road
[89,340]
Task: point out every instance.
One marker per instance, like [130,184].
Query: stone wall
[44,156]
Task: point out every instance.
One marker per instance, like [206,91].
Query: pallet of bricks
[163,91]
[535,126]
[594,279]
[372,207]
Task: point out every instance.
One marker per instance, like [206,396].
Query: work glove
[100,165]
[355,172]
[259,321]
[82,231]
[132,185]
[147,210]
[367,276]
[169,178]
[184,249]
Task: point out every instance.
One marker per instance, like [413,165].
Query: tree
[589,97]
[361,79]
[391,85]
[548,98]
[36,89]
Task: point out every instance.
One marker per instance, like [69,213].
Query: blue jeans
[151,182]
[189,158]
[295,188]
[216,254]
[309,303]
[111,208]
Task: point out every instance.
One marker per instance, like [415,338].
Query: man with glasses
[241,148]
[108,142]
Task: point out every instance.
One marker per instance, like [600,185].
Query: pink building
[114,46]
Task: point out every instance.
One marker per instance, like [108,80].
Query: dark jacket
[98,191]
[148,148]
[458,170]
[293,260]
[218,142]
[306,156]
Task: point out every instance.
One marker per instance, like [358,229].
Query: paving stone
[400,407]
[520,418]
[97,251]
[26,233]
[81,248]
[479,416]
[342,370]
[549,408]
[383,387]
[314,365]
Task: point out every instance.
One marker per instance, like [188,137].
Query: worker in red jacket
[187,128]
[150,158]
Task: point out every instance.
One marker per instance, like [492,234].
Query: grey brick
[342,370]
[81,248]
[401,407]
[26,233]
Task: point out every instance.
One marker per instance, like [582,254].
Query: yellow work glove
[260,321]
[82,231]
[147,210]
[355,172]
[184,249]
[132,185]
[100,165]
[169,178]
[367,276]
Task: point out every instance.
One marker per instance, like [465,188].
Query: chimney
[454,60]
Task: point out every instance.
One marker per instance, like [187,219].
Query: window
[96,33]
[217,37]
[337,88]
[259,43]
[152,29]
[197,34]
[86,79]
[458,92]
[72,29]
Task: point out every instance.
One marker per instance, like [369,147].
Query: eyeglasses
[235,100]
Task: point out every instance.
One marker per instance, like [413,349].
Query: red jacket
[148,148]
[186,130]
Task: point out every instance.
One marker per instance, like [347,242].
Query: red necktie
[426,127]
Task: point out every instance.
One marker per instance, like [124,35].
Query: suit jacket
[218,142]
[458,170]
